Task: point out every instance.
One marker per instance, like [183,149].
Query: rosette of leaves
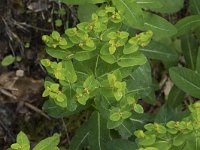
[94,61]
[182,134]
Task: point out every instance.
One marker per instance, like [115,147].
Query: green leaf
[147,140]
[48,143]
[113,124]
[156,50]
[130,11]
[126,114]
[94,132]
[78,2]
[55,35]
[198,62]
[85,12]
[133,59]
[8,60]
[108,58]
[140,81]
[187,80]
[189,47]
[164,145]
[58,23]
[15,146]
[130,48]
[149,127]
[70,73]
[151,97]
[160,26]
[46,62]
[99,134]
[126,129]
[61,100]
[22,142]
[167,113]
[63,42]
[82,96]
[119,144]
[58,53]
[169,6]
[90,83]
[194,7]
[138,108]
[58,112]
[149,4]
[192,143]
[179,139]
[85,55]
[115,116]
[188,24]
[176,97]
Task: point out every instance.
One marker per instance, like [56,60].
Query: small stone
[20,73]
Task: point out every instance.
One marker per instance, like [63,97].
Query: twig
[5,92]
[37,28]
[36,110]
[65,128]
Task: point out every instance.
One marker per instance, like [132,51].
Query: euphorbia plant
[173,135]
[94,62]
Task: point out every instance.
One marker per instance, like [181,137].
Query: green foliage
[83,51]
[188,24]
[23,143]
[187,80]
[78,2]
[168,6]
[103,66]
[173,134]
[8,60]
[94,132]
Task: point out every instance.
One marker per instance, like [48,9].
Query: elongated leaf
[125,129]
[81,137]
[48,143]
[187,80]
[198,62]
[78,2]
[99,134]
[132,60]
[58,112]
[149,4]
[130,11]
[121,145]
[192,143]
[194,7]
[140,81]
[170,6]
[159,26]
[156,50]
[190,48]
[58,53]
[166,114]
[188,24]
[176,97]
[94,131]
